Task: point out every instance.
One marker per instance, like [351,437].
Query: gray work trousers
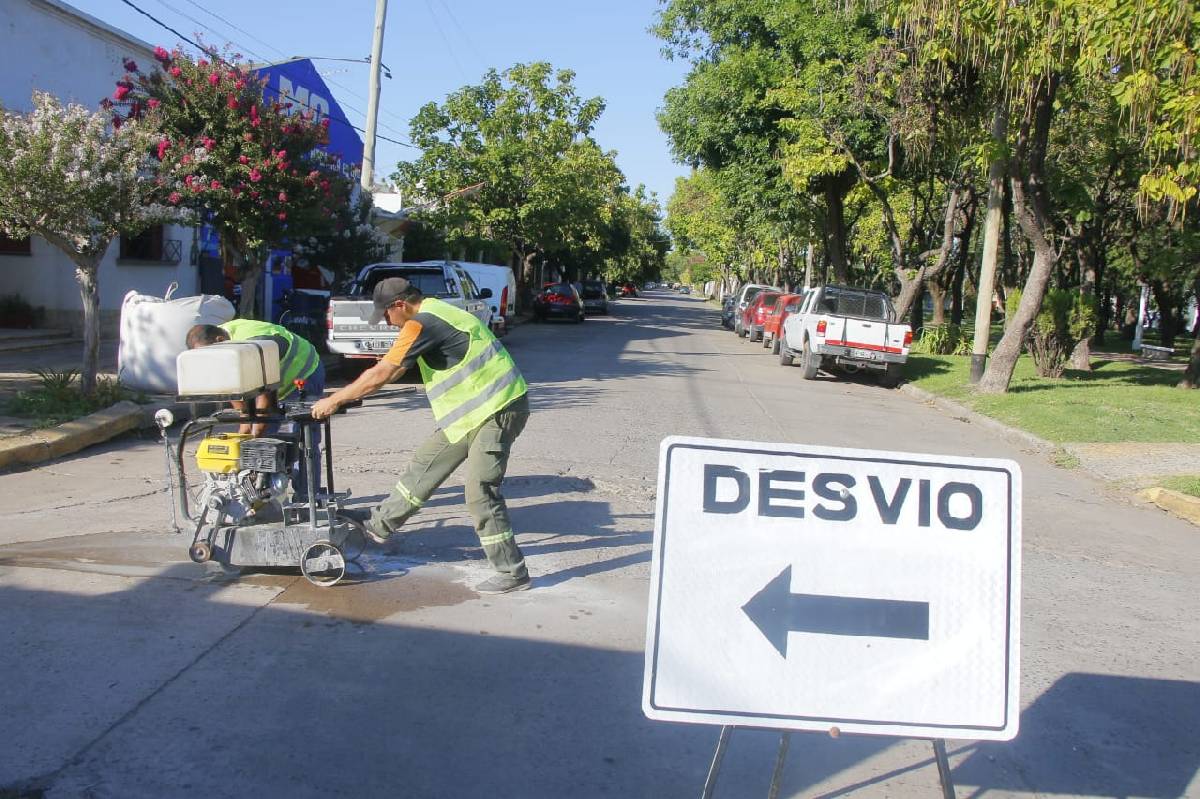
[486,451]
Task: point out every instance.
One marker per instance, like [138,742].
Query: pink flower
[122,92]
[208,143]
[188,180]
[247,137]
[283,196]
[163,145]
[175,72]
[187,159]
[175,198]
[282,216]
[153,102]
[282,154]
[325,123]
[216,184]
[231,102]
[255,175]
[161,55]
[201,63]
[130,65]
[241,84]
[243,159]
[254,112]
[253,195]
[254,123]
[213,79]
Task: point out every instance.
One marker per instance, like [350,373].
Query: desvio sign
[812,588]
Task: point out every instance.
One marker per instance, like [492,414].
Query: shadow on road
[251,700]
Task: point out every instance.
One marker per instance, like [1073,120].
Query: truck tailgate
[868,336]
[349,323]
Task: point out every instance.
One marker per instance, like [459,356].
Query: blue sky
[433,47]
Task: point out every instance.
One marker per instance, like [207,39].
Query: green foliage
[60,397]
[1184,483]
[1117,401]
[944,339]
[540,183]
[245,161]
[1065,319]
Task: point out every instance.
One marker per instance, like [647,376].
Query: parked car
[628,290]
[558,301]
[745,296]
[849,328]
[350,333]
[595,300]
[685,289]
[786,305]
[503,285]
[755,315]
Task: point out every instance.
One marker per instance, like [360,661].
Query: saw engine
[244,478]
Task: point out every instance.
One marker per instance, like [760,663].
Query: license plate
[377,346]
[866,355]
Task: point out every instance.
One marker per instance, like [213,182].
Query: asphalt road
[131,672]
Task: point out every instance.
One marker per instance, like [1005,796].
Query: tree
[70,177]
[349,243]
[1030,54]
[247,164]
[524,137]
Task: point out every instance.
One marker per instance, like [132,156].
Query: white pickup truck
[353,337]
[852,329]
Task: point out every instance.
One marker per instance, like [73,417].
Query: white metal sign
[811,588]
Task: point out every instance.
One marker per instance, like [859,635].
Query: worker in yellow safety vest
[479,400]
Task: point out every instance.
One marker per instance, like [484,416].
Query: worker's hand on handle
[324,408]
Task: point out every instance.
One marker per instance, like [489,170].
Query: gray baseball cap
[387,291]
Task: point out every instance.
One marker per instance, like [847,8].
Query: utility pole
[368,165]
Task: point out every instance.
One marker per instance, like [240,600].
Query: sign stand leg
[943,764]
[710,782]
[777,776]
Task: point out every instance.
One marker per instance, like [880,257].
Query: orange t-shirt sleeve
[408,334]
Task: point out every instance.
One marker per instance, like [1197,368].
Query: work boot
[362,517]
[502,584]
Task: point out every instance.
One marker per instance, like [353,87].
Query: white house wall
[49,46]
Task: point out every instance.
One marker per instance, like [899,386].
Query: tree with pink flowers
[247,163]
[71,177]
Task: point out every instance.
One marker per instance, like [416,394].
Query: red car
[558,300]
[773,326]
[629,290]
[755,315]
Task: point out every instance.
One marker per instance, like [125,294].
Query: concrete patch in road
[42,445]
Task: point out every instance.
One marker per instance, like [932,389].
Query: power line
[450,49]
[212,53]
[285,56]
[258,55]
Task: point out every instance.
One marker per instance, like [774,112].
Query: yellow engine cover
[220,453]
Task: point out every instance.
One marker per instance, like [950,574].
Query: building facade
[52,47]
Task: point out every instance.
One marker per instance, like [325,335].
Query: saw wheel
[323,564]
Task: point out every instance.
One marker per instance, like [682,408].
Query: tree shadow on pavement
[1098,735]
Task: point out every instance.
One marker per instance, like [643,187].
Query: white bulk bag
[154,332]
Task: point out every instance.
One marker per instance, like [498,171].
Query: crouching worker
[298,360]
[478,399]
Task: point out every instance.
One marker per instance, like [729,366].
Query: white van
[503,283]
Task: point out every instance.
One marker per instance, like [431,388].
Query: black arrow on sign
[776,611]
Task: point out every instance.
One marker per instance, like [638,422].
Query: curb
[974,417]
[43,445]
[1180,504]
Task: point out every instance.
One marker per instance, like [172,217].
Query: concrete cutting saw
[240,511]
